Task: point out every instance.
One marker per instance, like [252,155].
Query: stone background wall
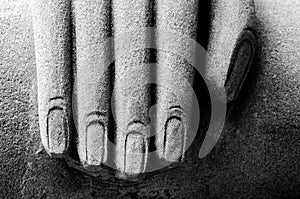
[258,155]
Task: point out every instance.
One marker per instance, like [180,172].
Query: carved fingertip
[240,65]
[57,132]
[173,140]
[95,144]
[135,154]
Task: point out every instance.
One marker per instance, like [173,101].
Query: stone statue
[91,55]
[98,99]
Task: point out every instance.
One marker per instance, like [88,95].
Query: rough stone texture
[230,20]
[92,20]
[131,72]
[257,156]
[52,36]
[174,76]
[17,71]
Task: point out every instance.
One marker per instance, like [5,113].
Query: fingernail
[95,145]
[173,142]
[240,67]
[57,132]
[135,153]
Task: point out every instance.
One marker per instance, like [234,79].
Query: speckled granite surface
[258,155]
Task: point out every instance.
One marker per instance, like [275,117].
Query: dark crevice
[73,135]
[204,20]
[153,74]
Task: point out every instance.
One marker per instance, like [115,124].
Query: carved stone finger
[231,47]
[174,77]
[131,94]
[51,25]
[93,62]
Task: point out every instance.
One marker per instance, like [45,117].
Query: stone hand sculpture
[84,69]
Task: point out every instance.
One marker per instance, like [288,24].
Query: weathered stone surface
[133,79]
[52,41]
[175,77]
[231,30]
[131,95]
[257,156]
[92,21]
